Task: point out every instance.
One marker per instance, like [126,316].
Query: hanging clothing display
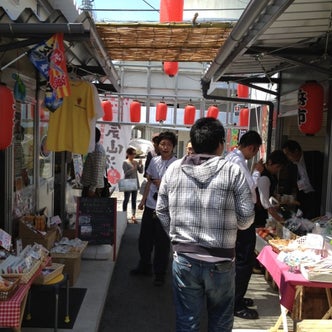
[71,126]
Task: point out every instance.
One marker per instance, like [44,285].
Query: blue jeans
[193,280]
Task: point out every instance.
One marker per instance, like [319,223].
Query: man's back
[207,202]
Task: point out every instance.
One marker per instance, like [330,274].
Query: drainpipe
[205,87]
[32,29]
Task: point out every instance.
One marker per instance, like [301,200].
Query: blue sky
[127,15]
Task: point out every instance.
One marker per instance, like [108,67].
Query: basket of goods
[25,265]
[303,250]
[68,248]
[48,273]
[278,245]
[8,287]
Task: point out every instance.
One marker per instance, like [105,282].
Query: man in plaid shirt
[94,170]
[203,200]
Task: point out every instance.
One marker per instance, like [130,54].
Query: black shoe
[141,271]
[246,313]
[159,280]
[247,302]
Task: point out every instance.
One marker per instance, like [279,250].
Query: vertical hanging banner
[115,139]
[58,76]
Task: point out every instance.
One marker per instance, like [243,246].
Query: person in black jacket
[267,188]
[309,175]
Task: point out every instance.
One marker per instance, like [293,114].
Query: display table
[12,310]
[290,286]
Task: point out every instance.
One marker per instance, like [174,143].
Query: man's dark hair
[292,146]
[206,134]
[277,157]
[167,135]
[155,139]
[251,137]
[98,134]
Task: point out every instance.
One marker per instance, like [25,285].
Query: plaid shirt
[204,200]
[94,169]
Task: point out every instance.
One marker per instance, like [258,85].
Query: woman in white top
[131,168]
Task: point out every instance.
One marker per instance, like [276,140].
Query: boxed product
[320,271]
[30,235]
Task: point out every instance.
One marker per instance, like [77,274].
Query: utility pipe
[249,101]
[27,29]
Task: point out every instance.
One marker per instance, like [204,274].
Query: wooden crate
[314,305]
[71,261]
[30,236]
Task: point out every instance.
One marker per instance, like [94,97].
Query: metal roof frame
[272,36]
[84,49]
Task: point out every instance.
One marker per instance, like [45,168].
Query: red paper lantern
[242,91]
[189,114]
[161,112]
[7,113]
[135,111]
[213,112]
[108,112]
[244,117]
[310,107]
[171,10]
[170,68]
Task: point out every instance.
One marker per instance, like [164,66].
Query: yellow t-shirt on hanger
[69,126]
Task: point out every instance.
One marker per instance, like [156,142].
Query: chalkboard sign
[96,219]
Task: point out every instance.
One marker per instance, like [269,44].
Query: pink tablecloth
[286,281]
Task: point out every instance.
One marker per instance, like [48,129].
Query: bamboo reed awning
[181,42]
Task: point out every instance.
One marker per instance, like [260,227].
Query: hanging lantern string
[327,36]
[258,58]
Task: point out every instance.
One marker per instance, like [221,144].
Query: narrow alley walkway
[135,304]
